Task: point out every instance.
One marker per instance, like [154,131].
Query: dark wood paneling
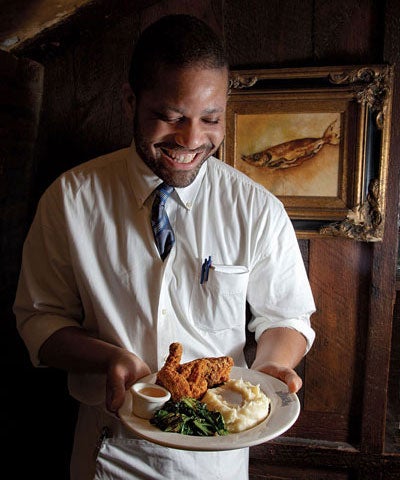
[348,31]
[382,288]
[21,91]
[339,276]
[21,88]
[83,116]
[319,456]
[260,33]
[273,472]
[392,55]
[340,431]
[28,395]
[208,10]
[90,20]
[393,412]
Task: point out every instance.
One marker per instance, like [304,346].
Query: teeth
[181,157]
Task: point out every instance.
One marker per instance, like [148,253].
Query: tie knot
[163,191]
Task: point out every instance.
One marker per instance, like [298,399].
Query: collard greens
[189,417]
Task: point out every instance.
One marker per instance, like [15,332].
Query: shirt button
[188,204]
[164,311]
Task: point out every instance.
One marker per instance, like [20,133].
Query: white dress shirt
[90,260]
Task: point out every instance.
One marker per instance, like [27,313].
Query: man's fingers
[115,395]
[286,374]
[120,378]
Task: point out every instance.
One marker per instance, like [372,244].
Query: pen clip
[208,265]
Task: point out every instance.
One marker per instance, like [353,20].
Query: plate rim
[280,398]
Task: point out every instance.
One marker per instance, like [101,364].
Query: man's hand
[123,371]
[279,350]
[74,350]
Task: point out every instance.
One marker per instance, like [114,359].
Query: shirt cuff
[301,325]
[37,329]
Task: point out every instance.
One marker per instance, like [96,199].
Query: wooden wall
[341,430]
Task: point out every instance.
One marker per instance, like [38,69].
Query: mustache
[178,148]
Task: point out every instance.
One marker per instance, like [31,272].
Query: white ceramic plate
[285,409]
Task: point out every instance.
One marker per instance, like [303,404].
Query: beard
[174,178]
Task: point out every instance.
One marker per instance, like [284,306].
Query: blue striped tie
[163,233]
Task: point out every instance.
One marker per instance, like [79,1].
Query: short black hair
[174,40]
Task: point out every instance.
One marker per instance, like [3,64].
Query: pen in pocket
[205,268]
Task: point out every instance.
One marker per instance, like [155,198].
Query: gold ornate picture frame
[318,139]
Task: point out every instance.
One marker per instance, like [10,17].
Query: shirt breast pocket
[220,302]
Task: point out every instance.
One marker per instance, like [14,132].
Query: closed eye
[212,121]
[167,119]
[173,120]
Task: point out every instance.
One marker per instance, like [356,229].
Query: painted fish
[293,153]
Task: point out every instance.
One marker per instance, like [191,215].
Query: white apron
[105,450]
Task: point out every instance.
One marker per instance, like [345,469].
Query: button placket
[164,333]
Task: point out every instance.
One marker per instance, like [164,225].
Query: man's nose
[189,135]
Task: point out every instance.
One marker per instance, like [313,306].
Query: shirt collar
[144,181]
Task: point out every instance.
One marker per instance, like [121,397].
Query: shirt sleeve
[47,297]
[279,293]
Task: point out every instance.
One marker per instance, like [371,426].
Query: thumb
[293,381]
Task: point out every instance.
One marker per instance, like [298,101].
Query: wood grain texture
[392,434]
[391,54]
[337,28]
[23,19]
[260,33]
[339,276]
[383,280]
[333,379]
[207,10]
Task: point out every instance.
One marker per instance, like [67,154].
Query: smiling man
[103,296]
[178,125]
[180,83]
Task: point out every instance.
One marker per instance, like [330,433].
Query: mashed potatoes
[242,404]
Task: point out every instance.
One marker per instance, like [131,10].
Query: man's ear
[128,99]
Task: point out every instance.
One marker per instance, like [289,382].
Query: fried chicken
[192,379]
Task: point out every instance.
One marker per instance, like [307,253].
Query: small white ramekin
[144,400]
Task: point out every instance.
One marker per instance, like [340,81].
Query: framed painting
[318,139]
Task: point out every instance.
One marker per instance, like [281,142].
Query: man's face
[180,121]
